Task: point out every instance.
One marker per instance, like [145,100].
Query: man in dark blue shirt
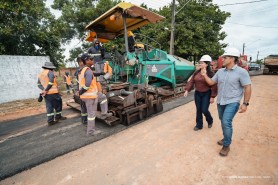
[97,53]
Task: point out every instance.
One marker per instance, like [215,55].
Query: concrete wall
[18,77]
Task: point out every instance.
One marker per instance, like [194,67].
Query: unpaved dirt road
[166,150]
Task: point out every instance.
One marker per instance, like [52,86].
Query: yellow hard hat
[129,33]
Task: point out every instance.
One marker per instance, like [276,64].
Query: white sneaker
[106,115]
[96,132]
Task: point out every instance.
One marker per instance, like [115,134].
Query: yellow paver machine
[143,76]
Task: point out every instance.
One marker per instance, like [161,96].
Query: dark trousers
[53,102]
[69,87]
[202,107]
[84,114]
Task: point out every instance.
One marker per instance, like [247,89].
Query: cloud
[249,23]
[254,24]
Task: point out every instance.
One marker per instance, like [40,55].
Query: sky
[252,23]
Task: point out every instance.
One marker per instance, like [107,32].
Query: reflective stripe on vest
[91,92]
[43,76]
[68,80]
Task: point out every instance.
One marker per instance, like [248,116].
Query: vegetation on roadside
[29,28]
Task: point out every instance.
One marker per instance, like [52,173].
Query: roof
[273,56]
[111,24]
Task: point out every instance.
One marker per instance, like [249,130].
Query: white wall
[18,77]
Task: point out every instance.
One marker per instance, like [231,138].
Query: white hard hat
[205,58]
[231,52]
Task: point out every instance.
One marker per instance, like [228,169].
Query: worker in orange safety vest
[68,82]
[84,114]
[53,101]
[107,70]
[88,92]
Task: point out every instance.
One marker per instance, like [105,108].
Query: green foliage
[197,29]
[28,28]
[76,14]
[261,61]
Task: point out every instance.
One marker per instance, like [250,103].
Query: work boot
[61,118]
[105,115]
[196,128]
[220,142]
[52,122]
[224,151]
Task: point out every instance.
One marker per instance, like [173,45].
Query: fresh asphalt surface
[27,142]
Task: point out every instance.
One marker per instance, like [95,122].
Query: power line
[256,11]
[252,25]
[243,3]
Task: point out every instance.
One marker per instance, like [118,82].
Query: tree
[197,30]
[28,28]
[76,14]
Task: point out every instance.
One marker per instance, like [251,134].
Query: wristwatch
[245,103]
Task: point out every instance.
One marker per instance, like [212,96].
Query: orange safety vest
[68,80]
[107,68]
[43,76]
[91,93]
[99,88]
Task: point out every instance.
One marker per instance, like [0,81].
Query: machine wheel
[159,106]
[150,109]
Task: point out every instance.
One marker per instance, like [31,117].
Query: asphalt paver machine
[144,76]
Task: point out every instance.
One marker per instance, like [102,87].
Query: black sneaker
[210,125]
[61,118]
[52,122]
[196,128]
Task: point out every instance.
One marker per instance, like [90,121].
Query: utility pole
[174,13]
[172,28]
[257,56]
[244,45]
